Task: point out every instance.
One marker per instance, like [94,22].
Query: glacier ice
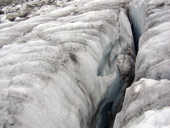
[145,105]
[49,62]
[146,102]
[137,16]
[153,57]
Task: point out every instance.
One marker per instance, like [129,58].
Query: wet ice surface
[147,103]
[49,63]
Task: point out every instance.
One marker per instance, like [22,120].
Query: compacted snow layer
[147,103]
[154,52]
[49,63]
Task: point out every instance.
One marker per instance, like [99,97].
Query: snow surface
[154,119]
[49,63]
[153,57]
[146,103]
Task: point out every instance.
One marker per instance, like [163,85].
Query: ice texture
[146,105]
[137,16]
[153,57]
[146,102]
[49,62]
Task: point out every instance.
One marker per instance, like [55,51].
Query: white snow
[49,62]
[153,119]
[146,103]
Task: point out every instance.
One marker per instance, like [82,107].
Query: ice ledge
[146,105]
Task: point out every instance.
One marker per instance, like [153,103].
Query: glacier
[67,63]
[58,60]
[146,102]
[145,105]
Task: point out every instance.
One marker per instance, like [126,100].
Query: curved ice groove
[101,117]
[106,58]
[113,96]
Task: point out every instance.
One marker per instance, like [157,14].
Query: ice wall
[146,102]
[146,105]
[153,57]
[137,16]
[49,61]
[118,62]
